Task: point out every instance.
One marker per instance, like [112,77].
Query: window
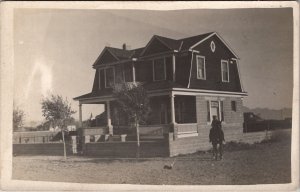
[109,77]
[201,67]
[119,76]
[101,78]
[159,69]
[128,73]
[225,71]
[233,105]
[212,46]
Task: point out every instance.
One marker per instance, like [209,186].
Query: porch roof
[158,85]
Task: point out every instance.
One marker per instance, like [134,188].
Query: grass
[263,163]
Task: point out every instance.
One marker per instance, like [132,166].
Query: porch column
[173,122]
[80,115]
[133,72]
[172,100]
[110,128]
[173,68]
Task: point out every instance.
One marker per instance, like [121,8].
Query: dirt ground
[263,163]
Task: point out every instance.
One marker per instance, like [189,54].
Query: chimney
[124,46]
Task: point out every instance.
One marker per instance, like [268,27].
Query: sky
[54,49]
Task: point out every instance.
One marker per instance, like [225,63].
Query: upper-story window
[225,71]
[201,74]
[109,77]
[128,76]
[159,69]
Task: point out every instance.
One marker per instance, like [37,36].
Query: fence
[35,137]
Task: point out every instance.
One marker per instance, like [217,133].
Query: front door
[214,109]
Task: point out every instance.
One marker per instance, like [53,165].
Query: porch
[169,114]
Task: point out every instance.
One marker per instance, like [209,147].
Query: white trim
[210,117]
[107,86]
[93,100]
[193,46]
[174,67]
[239,74]
[205,90]
[191,69]
[175,91]
[133,72]
[212,46]
[165,69]
[194,51]
[223,80]
[223,41]
[203,57]
[183,134]
[180,46]
[220,112]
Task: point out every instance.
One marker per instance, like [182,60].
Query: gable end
[106,56]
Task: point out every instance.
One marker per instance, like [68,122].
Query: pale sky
[55,49]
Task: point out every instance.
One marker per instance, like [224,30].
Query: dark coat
[216,134]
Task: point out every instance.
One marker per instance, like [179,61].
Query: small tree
[18,118]
[134,101]
[58,111]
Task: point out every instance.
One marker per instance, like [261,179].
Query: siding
[144,71]
[182,73]
[213,68]
[232,127]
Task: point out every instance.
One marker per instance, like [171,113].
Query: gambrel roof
[183,44]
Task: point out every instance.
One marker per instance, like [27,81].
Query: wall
[213,68]
[232,127]
[127,149]
[41,149]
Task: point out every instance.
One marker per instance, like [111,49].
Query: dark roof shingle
[179,44]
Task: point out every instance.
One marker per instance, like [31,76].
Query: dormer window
[159,69]
[201,74]
[109,77]
[225,70]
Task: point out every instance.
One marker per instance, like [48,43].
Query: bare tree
[59,112]
[134,101]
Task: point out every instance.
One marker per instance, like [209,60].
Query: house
[188,80]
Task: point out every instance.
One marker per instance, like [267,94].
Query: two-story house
[188,80]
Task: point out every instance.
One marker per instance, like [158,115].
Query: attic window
[212,46]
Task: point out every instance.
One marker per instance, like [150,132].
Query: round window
[212,46]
